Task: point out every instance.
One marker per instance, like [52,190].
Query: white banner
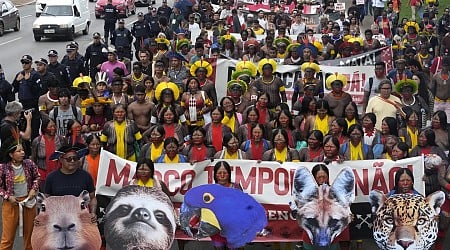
[356,76]
[267,182]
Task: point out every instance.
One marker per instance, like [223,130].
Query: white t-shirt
[63,117]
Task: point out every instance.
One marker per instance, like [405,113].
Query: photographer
[9,127]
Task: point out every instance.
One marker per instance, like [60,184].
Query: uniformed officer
[58,69]
[96,54]
[141,31]
[152,19]
[110,17]
[121,39]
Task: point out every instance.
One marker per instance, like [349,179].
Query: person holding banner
[121,136]
[281,151]
[331,149]
[403,183]
[230,149]
[257,145]
[145,176]
[399,151]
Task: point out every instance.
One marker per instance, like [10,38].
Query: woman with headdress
[237,89]
[292,57]
[337,98]
[309,70]
[98,113]
[19,184]
[251,51]
[202,69]
[281,43]
[412,29]
[269,83]
[228,47]
[408,89]
[166,94]
[163,49]
[308,52]
[196,103]
[183,47]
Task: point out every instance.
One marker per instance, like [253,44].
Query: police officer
[141,31]
[96,54]
[122,38]
[152,19]
[46,76]
[58,69]
[110,17]
[74,62]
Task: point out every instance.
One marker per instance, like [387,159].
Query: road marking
[10,41]
[27,16]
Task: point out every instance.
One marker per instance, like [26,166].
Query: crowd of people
[160,104]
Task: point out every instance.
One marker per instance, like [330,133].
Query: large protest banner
[270,183]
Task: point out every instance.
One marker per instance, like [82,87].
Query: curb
[23,4]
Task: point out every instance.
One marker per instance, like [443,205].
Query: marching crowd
[160,103]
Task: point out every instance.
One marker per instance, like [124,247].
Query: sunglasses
[25,62]
[71,158]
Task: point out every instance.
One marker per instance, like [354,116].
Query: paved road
[15,44]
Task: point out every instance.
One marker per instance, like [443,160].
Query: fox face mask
[323,211]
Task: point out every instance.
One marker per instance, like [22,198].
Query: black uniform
[164,11]
[96,53]
[6,94]
[45,78]
[75,67]
[61,74]
[153,22]
[111,16]
[122,39]
[141,31]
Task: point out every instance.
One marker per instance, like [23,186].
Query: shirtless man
[50,99]
[440,87]
[140,110]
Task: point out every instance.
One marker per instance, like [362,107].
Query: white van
[62,18]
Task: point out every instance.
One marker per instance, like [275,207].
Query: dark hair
[442,116]
[159,128]
[371,116]
[259,126]
[324,104]
[227,168]
[91,137]
[403,147]
[64,92]
[333,140]
[69,125]
[148,162]
[283,133]
[305,104]
[200,129]
[431,137]
[229,98]
[119,105]
[399,173]
[355,126]
[392,124]
[119,71]
[266,94]
[227,138]
[195,79]
[45,122]
[164,110]
[139,88]
[220,109]
[170,140]
[341,122]
[319,167]
[353,104]
[251,108]
[288,114]
[318,134]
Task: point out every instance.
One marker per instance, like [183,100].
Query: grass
[405,10]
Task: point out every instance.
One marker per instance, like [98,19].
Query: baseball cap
[41,60]
[71,47]
[26,58]
[96,35]
[52,52]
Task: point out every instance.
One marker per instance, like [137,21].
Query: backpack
[74,111]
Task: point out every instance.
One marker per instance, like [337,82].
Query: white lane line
[27,16]
[10,41]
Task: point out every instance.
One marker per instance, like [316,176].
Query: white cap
[250,15]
